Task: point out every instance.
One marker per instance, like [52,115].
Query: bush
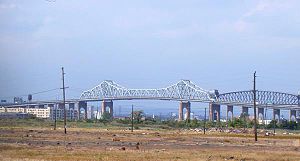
[123,121]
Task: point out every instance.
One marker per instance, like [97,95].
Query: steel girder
[183,90]
[263,98]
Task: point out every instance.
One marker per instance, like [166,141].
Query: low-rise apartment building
[48,112]
[38,112]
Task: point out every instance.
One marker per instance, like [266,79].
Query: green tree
[244,118]
[194,123]
[105,117]
[138,115]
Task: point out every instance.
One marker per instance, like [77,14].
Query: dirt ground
[119,144]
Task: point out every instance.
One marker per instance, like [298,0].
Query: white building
[38,112]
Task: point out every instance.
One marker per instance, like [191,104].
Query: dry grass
[43,143]
[10,152]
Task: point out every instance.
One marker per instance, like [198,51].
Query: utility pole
[254,104]
[274,122]
[55,110]
[132,118]
[64,99]
[204,120]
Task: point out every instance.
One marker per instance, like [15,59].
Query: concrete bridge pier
[107,104]
[82,104]
[71,106]
[71,109]
[214,112]
[229,109]
[187,106]
[276,112]
[261,113]
[293,114]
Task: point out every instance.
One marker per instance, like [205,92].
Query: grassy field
[36,140]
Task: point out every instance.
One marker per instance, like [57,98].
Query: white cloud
[269,6]
[262,7]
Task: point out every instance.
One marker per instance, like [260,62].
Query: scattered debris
[137,146]
[116,139]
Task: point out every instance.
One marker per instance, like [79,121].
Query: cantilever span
[184,90]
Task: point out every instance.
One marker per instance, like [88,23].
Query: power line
[40,92]
[45,91]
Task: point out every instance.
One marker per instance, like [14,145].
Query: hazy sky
[148,44]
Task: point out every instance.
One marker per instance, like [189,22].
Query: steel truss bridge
[186,90]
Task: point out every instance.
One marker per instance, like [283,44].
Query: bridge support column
[82,104]
[214,112]
[71,110]
[262,112]
[229,109]
[187,106]
[108,104]
[71,106]
[276,112]
[245,110]
[292,113]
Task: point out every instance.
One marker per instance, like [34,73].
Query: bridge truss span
[184,90]
[263,98]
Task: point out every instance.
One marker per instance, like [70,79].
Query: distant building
[15,110]
[18,100]
[9,115]
[41,112]
[71,114]
[37,112]
[2,109]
